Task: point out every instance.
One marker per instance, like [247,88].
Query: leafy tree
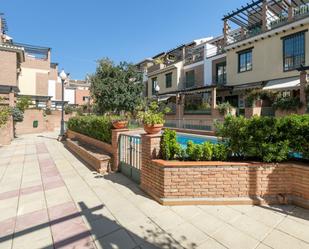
[23,103]
[116,88]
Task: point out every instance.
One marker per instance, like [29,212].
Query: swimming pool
[183,138]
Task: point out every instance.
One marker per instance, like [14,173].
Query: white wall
[69,95]
[52,89]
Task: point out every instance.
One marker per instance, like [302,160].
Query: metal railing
[130,151]
[189,124]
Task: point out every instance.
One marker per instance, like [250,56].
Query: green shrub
[287,103]
[5,113]
[153,115]
[18,115]
[207,151]
[170,149]
[47,111]
[190,151]
[23,103]
[267,139]
[98,127]
[68,109]
[220,152]
[224,108]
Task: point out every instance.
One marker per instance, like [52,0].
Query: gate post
[150,151]
[115,144]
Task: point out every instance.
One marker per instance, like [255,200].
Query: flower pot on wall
[120,124]
[153,129]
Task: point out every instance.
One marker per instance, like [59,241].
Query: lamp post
[63,77]
[157,89]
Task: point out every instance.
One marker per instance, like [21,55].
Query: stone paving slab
[50,199]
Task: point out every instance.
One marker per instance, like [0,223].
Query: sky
[81,32]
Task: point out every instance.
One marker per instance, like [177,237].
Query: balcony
[156,67]
[251,21]
[194,55]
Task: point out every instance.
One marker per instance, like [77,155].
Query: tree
[23,103]
[116,88]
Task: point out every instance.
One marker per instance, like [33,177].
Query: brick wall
[79,94]
[6,133]
[8,68]
[47,123]
[42,84]
[175,183]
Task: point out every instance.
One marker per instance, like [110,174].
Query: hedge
[98,127]
[268,139]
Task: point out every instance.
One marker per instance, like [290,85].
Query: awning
[248,86]
[166,97]
[283,84]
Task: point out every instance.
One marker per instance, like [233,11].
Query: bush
[170,149]
[98,127]
[220,152]
[5,113]
[207,151]
[153,115]
[47,111]
[224,108]
[287,103]
[266,138]
[23,103]
[18,115]
[68,109]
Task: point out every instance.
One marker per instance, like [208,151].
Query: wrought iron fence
[130,156]
[190,124]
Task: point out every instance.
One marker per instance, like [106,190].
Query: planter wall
[218,183]
[97,143]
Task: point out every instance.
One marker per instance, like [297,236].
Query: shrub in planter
[220,152]
[287,103]
[98,127]
[266,138]
[47,111]
[207,151]
[170,149]
[153,118]
[225,108]
[68,109]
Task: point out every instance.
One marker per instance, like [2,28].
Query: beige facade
[160,77]
[267,58]
[8,68]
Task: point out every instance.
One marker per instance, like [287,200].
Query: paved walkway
[49,199]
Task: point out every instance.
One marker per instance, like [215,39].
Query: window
[154,84]
[245,61]
[293,51]
[190,79]
[168,80]
[221,73]
[86,98]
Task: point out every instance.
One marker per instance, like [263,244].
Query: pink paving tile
[62,210]
[76,243]
[41,148]
[7,227]
[52,172]
[9,194]
[31,220]
[54,184]
[46,162]
[30,190]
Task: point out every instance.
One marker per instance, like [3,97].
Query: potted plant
[153,118]
[226,108]
[119,121]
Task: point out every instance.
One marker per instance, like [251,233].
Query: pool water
[183,139]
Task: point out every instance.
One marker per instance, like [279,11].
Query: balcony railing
[194,55]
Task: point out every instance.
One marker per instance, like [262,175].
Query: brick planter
[218,183]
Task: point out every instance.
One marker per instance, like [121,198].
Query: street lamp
[157,89]
[63,77]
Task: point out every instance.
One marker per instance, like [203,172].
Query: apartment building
[11,57]
[77,92]
[264,43]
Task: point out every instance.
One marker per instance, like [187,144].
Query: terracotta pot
[153,129]
[120,124]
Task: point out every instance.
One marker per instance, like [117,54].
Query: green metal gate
[130,156]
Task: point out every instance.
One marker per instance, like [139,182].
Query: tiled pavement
[49,199]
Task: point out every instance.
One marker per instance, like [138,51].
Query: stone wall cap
[163,163]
